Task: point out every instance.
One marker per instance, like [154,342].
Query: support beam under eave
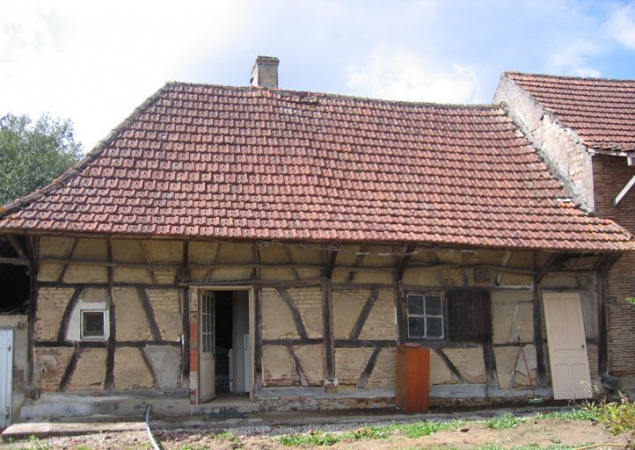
[624,191]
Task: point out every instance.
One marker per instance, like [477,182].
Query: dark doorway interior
[224,336]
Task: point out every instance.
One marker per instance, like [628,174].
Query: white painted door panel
[6,376]
[568,356]
[206,347]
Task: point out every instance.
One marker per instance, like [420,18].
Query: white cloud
[621,25]
[401,74]
[571,58]
[94,62]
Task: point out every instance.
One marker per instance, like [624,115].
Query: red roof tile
[249,163]
[601,111]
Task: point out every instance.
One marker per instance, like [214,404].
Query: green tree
[34,153]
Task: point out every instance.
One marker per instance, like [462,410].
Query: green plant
[227,436]
[313,438]
[503,423]
[616,417]
[36,444]
[574,414]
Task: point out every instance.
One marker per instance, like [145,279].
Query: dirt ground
[531,434]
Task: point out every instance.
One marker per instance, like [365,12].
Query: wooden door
[567,346]
[206,347]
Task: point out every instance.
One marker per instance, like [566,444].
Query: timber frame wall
[326,314]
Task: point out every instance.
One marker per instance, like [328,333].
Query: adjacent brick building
[585,130]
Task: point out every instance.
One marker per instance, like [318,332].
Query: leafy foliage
[503,423]
[616,417]
[34,153]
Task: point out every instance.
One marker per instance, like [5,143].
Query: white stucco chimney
[265,72]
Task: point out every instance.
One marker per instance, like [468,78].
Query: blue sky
[94,62]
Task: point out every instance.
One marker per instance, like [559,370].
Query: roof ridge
[97,150]
[566,77]
[484,106]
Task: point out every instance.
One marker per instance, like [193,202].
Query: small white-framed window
[93,324]
[425,316]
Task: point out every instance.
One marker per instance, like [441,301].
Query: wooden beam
[33,244]
[146,258]
[541,370]
[148,363]
[17,247]
[286,342]
[297,317]
[451,367]
[14,261]
[404,260]
[327,327]
[624,191]
[399,310]
[210,270]
[109,382]
[258,342]
[357,343]
[368,369]
[296,274]
[363,315]
[506,257]
[70,369]
[184,296]
[359,259]
[94,262]
[150,316]
[185,262]
[298,366]
[68,312]
[603,267]
[104,344]
[62,274]
[330,262]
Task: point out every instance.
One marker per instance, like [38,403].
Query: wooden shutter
[469,316]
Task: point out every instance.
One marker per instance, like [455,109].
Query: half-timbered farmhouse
[281,244]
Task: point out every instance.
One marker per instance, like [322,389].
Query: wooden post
[329,341]
[541,370]
[109,383]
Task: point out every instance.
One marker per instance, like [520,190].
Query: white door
[6,376]
[206,347]
[567,346]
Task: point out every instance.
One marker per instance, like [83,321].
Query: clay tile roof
[252,163]
[601,111]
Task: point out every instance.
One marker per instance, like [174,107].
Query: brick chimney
[265,72]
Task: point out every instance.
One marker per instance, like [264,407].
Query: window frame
[442,316]
[82,322]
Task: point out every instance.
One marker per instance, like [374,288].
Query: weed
[314,438]
[227,436]
[418,429]
[37,444]
[503,423]
[616,417]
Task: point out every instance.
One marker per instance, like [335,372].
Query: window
[93,324]
[425,316]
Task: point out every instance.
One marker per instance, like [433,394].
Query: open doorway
[224,344]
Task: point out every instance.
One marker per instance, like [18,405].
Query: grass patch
[411,430]
[574,414]
[505,422]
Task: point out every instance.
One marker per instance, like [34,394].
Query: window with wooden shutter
[469,316]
